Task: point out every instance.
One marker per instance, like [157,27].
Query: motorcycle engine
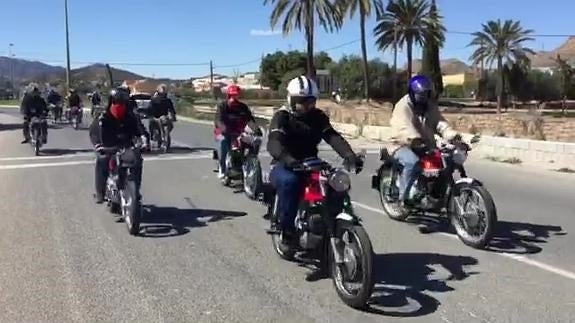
[311,228]
[112,187]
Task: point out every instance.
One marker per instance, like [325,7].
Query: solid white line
[88,162]
[523,259]
[47,157]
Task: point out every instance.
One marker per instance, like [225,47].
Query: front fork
[345,214]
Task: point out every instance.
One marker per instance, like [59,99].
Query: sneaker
[25,141]
[221,175]
[99,199]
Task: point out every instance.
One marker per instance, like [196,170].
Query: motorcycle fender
[345,217]
[468,180]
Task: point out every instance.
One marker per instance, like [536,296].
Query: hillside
[24,70]
[448,66]
[547,59]
[98,72]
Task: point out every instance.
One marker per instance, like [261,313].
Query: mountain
[24,70]
[547,59]
[448,66]
[31,71]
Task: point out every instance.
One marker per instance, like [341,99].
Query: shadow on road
[64,151]
[10,126]
[162,222]
[509,237]
[402,280]
[522,238]
[176,150]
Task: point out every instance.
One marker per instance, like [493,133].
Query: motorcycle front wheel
[252,170]
[130,206]
[37,141]
[354,278]
[473,214]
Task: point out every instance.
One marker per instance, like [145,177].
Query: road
[203,255]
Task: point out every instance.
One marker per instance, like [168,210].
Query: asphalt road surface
[203,255]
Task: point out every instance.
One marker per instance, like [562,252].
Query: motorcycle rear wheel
[356,269]
[285,252]
[392,209]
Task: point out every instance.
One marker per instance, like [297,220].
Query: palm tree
[405,23]
[300,14]
[501,42]
[365,9]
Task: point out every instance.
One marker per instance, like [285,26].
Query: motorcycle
[327,225]
[467,203]
[74,116]
[160,132]
[243,164]
[38,133]
[56,111]
[96,110]
[121,194]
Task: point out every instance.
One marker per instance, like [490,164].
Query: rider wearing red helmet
[232,116]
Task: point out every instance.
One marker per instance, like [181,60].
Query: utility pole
[212,79]
[11,60]
[67,48]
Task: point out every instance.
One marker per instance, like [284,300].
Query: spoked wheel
[285,252]
[252,172]
[353,279]
[389,198]
[37,142]
[473,214]
[130,207]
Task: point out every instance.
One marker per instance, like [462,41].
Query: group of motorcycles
[328,229]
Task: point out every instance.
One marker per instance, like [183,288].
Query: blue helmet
[419,90]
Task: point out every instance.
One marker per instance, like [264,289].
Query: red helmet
[233,91]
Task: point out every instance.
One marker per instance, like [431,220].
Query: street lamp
[11,61]
[67,48]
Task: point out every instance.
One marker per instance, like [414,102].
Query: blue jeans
[287,185]
[410,162]
[223,152]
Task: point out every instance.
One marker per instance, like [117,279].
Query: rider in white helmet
[295,133]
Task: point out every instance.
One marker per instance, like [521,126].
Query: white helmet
[302,87]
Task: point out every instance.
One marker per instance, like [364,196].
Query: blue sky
[226,31]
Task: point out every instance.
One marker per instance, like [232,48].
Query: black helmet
[119,95]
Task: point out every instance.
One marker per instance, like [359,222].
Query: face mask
[233,101]
[118,111]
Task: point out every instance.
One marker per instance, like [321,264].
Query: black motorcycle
[56,111]
[327,226]
[74,116]
[160,132]
[243,164]
[464,200]
[121,194]
[38,133]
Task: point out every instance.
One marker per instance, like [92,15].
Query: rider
[33,105]
[160,106]
[232,116]
[54,98]
[96,101]
[295,133]
[74,101]
[414,122]
[117,127]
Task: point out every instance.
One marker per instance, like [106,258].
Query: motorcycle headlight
[459,156]
[340,181]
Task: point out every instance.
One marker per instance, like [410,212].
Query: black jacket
[74,100]
[294,138]
[33,106]
[54,98]
[96,98]
[161,106]
[234,118]
[108,132]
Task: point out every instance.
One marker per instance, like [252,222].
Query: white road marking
[47,157]
[88,162]
[523,259]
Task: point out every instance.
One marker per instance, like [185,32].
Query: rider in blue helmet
[414,123]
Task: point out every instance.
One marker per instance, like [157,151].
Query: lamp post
[67,48]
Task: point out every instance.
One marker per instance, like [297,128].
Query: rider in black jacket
[117,127]
[33,105]
[295,133]
[160,106]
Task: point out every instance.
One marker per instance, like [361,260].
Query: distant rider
[295,133]
[232,116]
[33,105]
[96,101]
[54,98]
[414,122]
[160,106]
[117,127]
[74,102]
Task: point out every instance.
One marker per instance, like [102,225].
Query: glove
[418,146]
[356,162]
[258,132]
[293,164]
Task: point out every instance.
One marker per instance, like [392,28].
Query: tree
[567,75]
[434,39]
[501,42]
[274,66]
[348,72]
[365,8]
[408,22]
[300,14]
[517,81]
